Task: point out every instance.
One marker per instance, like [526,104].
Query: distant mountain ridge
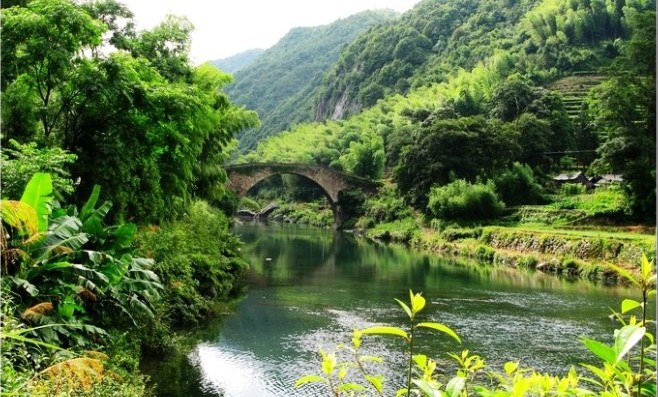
[282,82]
[239,61]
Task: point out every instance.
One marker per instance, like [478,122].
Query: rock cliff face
[344,106]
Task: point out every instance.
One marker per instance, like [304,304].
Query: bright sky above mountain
[225,28]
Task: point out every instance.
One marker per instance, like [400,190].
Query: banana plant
[73,260]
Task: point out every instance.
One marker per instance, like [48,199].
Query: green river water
[309,288]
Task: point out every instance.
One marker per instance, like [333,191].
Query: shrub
[387,206]
[197,260]
[572,189]
[463,201]
[517,186]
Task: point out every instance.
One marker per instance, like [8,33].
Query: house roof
[568,176]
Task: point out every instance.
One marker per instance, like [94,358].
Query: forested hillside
[437,38]
[239,61]
[480,91]
[280,85]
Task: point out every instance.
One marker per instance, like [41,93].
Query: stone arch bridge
[334,183]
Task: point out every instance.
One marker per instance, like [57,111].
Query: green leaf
[648,389]
[124,235]
[417,302]
[604,352]
[625,338]
[39,194]
[426,388]
[441,328]
[27,286]
[309,379]
[88,207]
[405,307]
[629,304]
[377,382]
[37,270]
[383,330]
[455,386]
[351,387]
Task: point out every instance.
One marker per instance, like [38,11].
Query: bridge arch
[243,177]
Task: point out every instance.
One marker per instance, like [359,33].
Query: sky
[225,28]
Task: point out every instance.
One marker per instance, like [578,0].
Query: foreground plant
[335,373]
[628,366]
[74,277]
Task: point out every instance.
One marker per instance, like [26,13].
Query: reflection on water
[309,288]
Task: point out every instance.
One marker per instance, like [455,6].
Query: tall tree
[624,111]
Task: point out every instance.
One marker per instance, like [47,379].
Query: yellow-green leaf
[20,216]
[646,267]
[510,367]
[417,303]
[629,304]
[377,382]
[441,328]
[405,308]
[383,330]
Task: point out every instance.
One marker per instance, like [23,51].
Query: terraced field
[574,89]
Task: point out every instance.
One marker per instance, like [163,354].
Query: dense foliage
[140,118]
[92,108]
[72,278]
[197,259]
[281,83]
[460,200]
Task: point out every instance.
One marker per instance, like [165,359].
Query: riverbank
[561,251]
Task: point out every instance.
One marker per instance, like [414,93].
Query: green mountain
[438,37]
[281,83]
[471,89]
[239,61]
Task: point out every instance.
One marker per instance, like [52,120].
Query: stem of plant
[644,323]
[411,358]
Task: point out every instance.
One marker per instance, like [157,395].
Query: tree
[167,47]
[21,161]
[41,45]
[144,121]
[443,150]
[517,186]
[623,109]
[226,120]
[118,19]
[512,98]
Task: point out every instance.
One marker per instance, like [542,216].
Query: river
[309,288]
